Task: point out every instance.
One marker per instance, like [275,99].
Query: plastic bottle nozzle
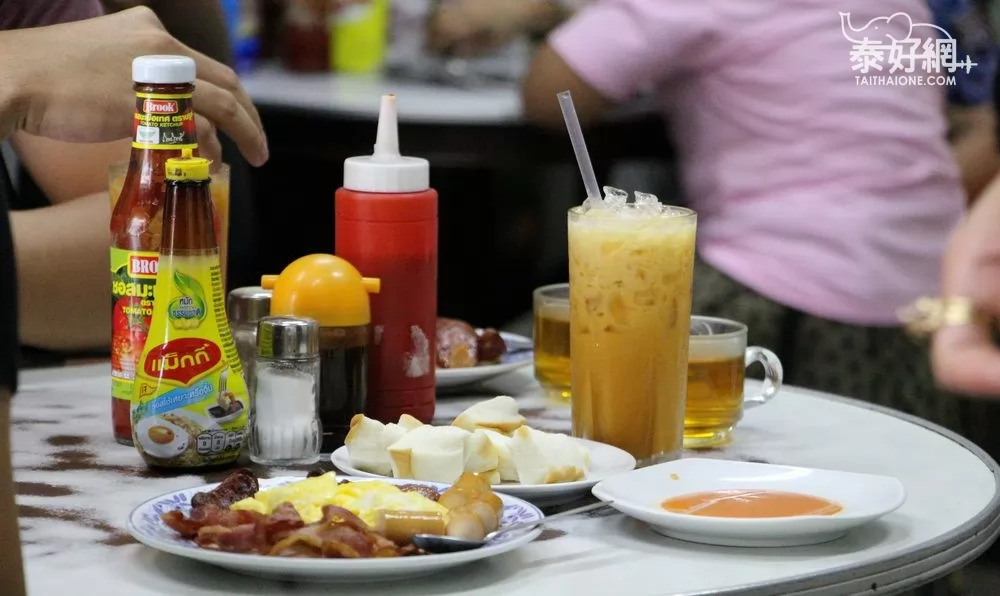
[267,281]
[385,170]
[387,136]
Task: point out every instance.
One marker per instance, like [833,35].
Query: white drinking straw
[579,145]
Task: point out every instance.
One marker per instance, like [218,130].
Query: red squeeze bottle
[386,226]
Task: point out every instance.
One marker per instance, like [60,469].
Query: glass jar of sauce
[331,291]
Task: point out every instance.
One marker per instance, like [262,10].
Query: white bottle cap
[386,170]
[163,70]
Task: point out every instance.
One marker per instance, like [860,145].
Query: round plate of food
[466,356]
[490,438]
[604,461]
[328,528]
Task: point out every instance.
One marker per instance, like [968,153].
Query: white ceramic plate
[145,525]
[520,353]
[605,461]
[638,494]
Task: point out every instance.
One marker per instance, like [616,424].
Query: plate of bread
[489,439]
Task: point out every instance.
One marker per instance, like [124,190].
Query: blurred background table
[76,488]
[504,185]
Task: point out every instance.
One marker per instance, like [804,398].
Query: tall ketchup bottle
[163,126]
[387,227]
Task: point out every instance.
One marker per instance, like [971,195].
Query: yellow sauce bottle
[189,402]
[358,37]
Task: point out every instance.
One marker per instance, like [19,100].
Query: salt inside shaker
[245,308]
[285,426]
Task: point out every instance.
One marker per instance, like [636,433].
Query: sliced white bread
[499,414]
[409,422]
[366,446]
[480,454]
[506,470]
[546,458]
[429,453]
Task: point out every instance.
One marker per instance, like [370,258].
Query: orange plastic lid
[323,287]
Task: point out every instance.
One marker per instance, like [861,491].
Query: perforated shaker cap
[287,337]
[163,70]
[385,170]
[248,305]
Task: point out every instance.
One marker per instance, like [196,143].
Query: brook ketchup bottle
[387,227]
[163,127]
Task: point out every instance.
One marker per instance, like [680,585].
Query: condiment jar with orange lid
[331,291]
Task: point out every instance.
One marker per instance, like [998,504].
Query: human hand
[209,146]
[965,359]
[77,81]
[471,27]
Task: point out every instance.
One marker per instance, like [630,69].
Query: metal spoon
[433,543]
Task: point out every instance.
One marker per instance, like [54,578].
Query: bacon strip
[241,484]
[339,534]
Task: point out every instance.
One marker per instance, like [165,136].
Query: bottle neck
[164,118]
[188,218]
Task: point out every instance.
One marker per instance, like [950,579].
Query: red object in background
[305,36]
[387,227]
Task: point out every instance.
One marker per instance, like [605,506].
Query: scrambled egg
[364,499]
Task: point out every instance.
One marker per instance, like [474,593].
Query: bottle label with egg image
[189,401]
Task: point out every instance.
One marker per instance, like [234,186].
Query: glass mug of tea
[718,357]
[551,333]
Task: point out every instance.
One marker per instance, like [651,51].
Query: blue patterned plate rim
[144,525]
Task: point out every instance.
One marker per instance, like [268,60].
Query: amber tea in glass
[551,331]
[718,357]
[630,273]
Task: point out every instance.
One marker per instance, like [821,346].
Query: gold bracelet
[926,315]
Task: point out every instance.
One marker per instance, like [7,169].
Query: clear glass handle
[773,375]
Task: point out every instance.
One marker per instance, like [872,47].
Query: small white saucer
[519,354]
[638,494]
[605,461]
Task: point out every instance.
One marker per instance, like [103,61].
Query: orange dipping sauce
[747,503]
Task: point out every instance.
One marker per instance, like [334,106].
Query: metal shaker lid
[248,305]
[287,337]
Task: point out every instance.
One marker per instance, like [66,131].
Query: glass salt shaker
[285,426]
[245,307]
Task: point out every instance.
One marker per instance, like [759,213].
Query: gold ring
[927,315]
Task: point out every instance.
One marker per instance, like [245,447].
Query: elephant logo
[896,39]
[894,28]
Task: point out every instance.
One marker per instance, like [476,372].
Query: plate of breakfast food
[466,355]
[491,439]
[328,528]
[736,503]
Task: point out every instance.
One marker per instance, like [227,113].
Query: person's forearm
[11,574]
[11,100]
[978,160]
[973,138]
[542,16]
[63,275]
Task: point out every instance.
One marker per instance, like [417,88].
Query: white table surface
[77,486]
[353,96]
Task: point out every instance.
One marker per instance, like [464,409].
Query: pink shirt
[824,195]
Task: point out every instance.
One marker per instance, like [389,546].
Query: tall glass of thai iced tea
[630,271]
